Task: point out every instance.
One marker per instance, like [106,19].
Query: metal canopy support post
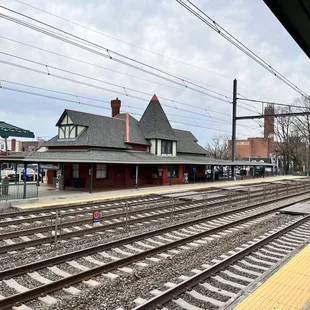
[25,181]
[213,174]
[137,176]
[91,179]
[170,177]
[233,137]
[38,175]
[16,173]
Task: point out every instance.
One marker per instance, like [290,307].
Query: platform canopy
[294,15]
[8,130]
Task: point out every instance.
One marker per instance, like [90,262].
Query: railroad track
[216,286]
[18,240]
[38,216]
[45,277]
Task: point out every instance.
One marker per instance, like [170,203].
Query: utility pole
[234,120]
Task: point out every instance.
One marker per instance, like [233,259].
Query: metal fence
[18,191]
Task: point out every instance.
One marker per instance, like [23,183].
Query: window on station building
[101,171]
[166,147]
[174,169]
[75,171]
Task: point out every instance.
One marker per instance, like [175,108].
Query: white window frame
[101,171]
[75,171]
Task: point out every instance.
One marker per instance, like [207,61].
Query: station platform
[49,197]
[287,289]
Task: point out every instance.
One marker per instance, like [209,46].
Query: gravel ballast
[122,291]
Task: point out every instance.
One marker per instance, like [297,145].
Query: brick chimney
[116,107]
[13,145]
[269,122]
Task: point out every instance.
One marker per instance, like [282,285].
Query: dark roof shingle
[154,122]
[187,143]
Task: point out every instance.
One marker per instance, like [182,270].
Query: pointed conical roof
[154,122]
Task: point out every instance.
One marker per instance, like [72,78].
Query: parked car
[10,174]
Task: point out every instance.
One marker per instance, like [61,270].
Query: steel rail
[85,211]
[68,281]
[91,250]
[201,204]
[161,299]
[108,201]
[30,231]
[233,198]
[92,204]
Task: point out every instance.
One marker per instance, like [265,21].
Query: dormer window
[68,130]
[166,147]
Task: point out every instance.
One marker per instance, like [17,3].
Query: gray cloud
[163,27]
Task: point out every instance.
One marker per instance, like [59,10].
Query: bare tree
[218,147]
[292,135]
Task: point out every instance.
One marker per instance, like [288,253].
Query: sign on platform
[96,216]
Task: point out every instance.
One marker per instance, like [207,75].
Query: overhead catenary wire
[178,80]
[273,103]
[96,106]
[102,67]
[230,38]
[210,119]
[121,91]
[122,41]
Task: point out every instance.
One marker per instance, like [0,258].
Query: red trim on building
[127,128]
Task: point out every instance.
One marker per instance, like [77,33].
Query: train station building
[95,151]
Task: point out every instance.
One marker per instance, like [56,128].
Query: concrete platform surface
[49,197]
[298,208]
[287,289]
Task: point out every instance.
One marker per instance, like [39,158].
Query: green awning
[8,130]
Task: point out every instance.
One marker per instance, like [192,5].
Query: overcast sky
[147,30]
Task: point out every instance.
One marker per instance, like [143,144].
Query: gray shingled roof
[154,122]
[187,143]
[135,133]
[118,157]
[101,131]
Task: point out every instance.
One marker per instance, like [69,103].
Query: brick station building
[95,151]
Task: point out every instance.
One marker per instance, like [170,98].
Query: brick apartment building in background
[258,147]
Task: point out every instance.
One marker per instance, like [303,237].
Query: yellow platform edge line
[153,191]
[287,289]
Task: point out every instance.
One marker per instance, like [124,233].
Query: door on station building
[120,175]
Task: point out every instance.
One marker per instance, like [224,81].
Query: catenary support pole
[233,137]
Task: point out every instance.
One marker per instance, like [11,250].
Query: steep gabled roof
[100,131]
[135,134]
[154,122]
[187,143]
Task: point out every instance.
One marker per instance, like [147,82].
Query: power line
[104,101]
[229,37]
[123,91]
[122,41]
[182,82]
[96,106]
[101,67]
[272,102]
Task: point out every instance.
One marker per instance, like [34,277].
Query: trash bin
[5,186]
